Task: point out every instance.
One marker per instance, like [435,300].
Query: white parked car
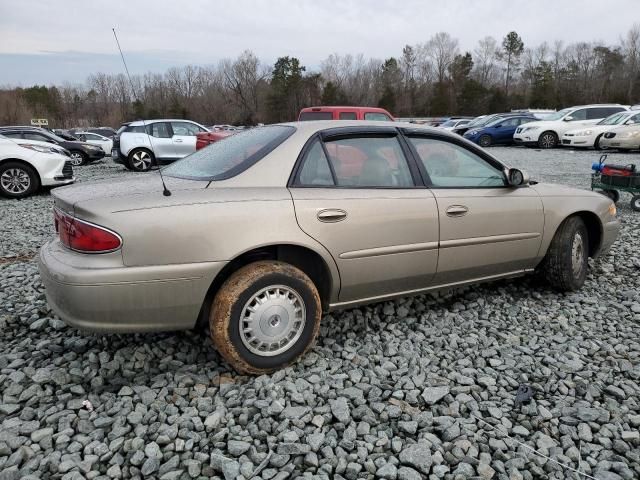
[590,137]
[548,132]
[140,145]
[451,124]
[27,165]
[104,143]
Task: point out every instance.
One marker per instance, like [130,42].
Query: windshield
[476,121]
[230,156]
[495,121]
[449,123]
[614,119]
[558,115]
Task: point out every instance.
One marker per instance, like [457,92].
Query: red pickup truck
[345,113]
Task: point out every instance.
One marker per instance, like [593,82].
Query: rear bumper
[87,292]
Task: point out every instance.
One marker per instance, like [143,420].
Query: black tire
[485,140]
[548,139]
[614,195]
[236,297]
[596,144]
[566,263]
[18,180]
[78,158]
[635,203]
[141,160]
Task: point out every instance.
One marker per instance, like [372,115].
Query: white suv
[141,144]
[27,165]
[546,133]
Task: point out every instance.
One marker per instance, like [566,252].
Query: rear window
[304,116]
[230,156]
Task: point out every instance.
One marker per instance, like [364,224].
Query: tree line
[428,79]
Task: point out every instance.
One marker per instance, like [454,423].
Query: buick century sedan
[260,233]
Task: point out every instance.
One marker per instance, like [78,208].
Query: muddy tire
[566,263]
[265,316]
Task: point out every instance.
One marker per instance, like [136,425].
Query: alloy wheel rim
[547,141]
[76,159]
[577,254]
[272,320]
[484,141]
[15,180]
[141,160]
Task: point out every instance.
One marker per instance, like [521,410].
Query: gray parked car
[264,231]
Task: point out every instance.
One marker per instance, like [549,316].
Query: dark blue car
[499,131]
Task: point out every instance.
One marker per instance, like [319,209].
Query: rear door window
[369,162]
[348,116]
[159,130]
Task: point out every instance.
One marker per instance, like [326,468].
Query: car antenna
[166,192]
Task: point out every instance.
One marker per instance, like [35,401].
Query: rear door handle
[457,211]
[178,140]
[331,215]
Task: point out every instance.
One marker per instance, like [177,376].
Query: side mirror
[517,178]
[568,118]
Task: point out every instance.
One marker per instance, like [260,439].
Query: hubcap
[141,161]
[76,159]
[15,180]
[577,254]
[272,320]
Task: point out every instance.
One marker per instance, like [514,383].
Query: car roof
[311,126]
[334,108]
[155,120]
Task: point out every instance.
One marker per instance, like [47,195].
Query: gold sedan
[260,233]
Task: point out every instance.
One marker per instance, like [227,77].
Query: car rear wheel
[635,203]
[485,140]
[566,263]
[78,158]
[141,160]
[17,180]
[548,140]
[265,316]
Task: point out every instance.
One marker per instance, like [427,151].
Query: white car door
[184,138]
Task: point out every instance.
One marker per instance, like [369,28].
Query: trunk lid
[141,191]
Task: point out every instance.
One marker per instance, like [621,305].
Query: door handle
[178,140]
[457,211]
[331,215]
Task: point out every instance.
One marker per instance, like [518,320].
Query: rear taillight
[83,236]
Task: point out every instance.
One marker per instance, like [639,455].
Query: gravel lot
[421,387]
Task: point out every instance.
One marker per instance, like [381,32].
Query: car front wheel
[548,140]
[566,263]
[17,180]
[78,158]
[265,316]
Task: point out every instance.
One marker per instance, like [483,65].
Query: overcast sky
[48,42]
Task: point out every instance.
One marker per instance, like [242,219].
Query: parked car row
[80,152]
[588,126]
